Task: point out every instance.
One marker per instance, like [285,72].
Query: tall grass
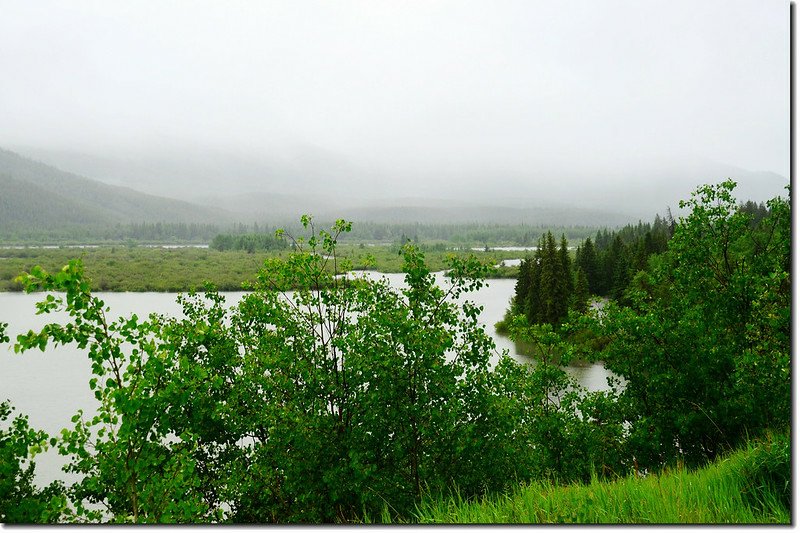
[120,268]
[751,486]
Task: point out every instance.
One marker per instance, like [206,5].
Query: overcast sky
[407,88]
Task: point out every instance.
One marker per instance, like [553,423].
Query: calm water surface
[51,386]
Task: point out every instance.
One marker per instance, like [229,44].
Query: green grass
[751,486]
[122,268]
[139,269]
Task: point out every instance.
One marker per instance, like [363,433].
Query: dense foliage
[333,402]
[320,399]
[550,283]
[704,346]
[20,499]
[611,262]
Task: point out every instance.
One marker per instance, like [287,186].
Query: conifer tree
[581,295]
[639,254]
[564,284]
[566,265]
[522,288]
[587,261]
[618,267]
[533,302]
[551,286]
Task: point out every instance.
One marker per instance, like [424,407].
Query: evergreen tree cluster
[545,284]
[550,283]
[756,211]
[162,231]
[610,262]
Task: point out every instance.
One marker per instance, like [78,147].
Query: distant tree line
[467,234]
[141,231]
[249,242]
[49,230]
[163,231]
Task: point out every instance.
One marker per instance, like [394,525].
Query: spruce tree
[566,265]
[619,266]
[589,264]
[522,288]
[550,285]
[564,284]
[581,295]
[532,308]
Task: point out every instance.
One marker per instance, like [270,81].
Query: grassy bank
[751,486]
[139,269]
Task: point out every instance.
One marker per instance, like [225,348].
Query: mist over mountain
[37,194]
[199,173]
[39,199]
[313,180]
[600,112]
[643,187]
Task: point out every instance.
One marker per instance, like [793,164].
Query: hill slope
[38,195]
[276,184]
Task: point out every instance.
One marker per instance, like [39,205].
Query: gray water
[51,386]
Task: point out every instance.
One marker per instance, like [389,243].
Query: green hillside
[26,204]
[42,200]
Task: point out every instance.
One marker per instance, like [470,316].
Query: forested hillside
[24,204]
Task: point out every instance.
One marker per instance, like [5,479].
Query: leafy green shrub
[313,400]
[707,335]
[21,502]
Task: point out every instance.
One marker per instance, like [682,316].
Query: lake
[51,386]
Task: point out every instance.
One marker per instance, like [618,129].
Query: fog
[591,101]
